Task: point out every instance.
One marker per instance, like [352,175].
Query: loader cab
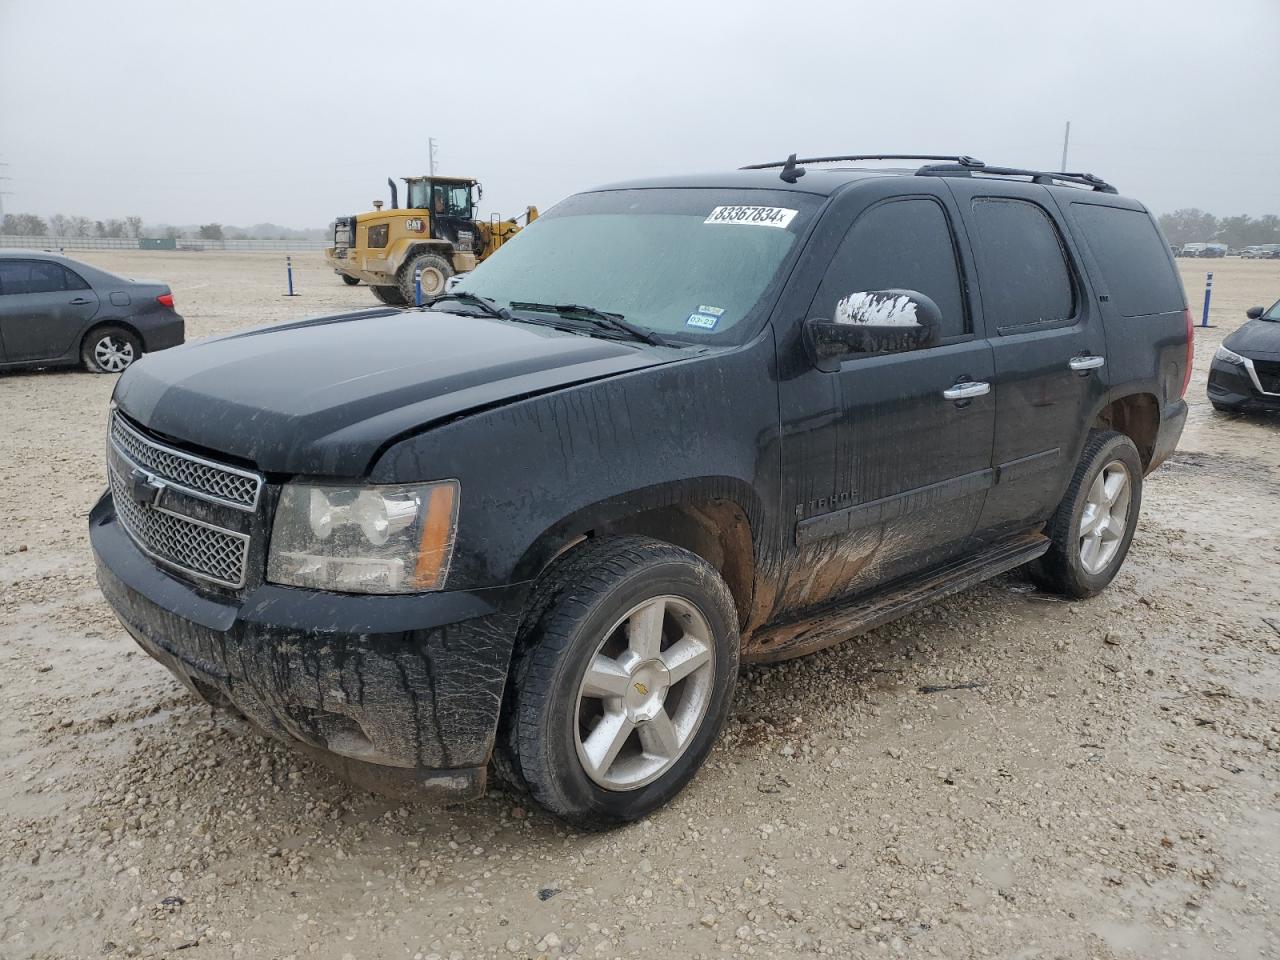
[444,197]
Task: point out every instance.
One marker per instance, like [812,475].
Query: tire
[435,272]
[350,281]
[553,724]
[389,295]
[110,350]
[1071,566]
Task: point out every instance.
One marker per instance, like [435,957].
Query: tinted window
[35,276]
[74,280]
[1133,259]
[899,245]
[1021,264]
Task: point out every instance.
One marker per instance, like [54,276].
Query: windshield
[690,263]
[1273,313]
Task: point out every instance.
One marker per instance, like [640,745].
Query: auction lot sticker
[752,216]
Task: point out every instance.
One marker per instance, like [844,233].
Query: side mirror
[876,321]
[1253,313]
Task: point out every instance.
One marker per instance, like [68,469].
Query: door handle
[967,390]
[1086,363]
[79,302]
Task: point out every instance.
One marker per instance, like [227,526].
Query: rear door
[1048,344]
[886,472]
[44,309]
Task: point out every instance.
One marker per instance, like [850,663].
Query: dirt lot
[1111,789]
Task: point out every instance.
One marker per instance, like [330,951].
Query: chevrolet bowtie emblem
[145,488]
[644,691]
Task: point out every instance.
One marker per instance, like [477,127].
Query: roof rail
[961,160]
[1046,177]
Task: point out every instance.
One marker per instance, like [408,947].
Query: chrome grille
[194,475]
[188,545]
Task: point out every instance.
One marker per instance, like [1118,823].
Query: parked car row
[56,311]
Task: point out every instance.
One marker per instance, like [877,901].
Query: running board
[837,622]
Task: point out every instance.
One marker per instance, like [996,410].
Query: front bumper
[1231,385]
[399,694]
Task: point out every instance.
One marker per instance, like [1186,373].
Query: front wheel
[389,294]
[349,281]
[622,680]
[1093,526]
[434,271]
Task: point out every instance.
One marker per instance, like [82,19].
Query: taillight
[1191,352]
[166,300]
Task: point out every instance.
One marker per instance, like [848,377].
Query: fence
[129,243]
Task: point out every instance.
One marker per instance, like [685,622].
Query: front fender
[539,470]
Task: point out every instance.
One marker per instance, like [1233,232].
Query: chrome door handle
[967,390]
[1086,363]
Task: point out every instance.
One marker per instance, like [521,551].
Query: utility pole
[431,146]
[4,193]
[1066,139]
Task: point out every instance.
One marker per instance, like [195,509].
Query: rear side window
[1022,265]
[1131,254]
[36,276]
[898,245]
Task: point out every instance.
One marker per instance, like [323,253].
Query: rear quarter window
[1023,271]
[1133,259]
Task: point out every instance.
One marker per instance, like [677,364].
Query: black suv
[676,425]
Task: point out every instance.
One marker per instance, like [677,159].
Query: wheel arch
[123,324]
[710,517]
[1137,416]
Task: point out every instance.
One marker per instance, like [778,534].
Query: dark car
[1245,373]
[679,424]
[55,310]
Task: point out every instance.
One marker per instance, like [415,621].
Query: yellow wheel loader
[436,234]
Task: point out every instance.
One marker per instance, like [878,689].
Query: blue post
[288,267]
[1208,292]
[417,287]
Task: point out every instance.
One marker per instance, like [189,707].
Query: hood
[323,396]
[1257,338]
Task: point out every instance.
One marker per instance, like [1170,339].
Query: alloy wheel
[1103,520]
[645,693]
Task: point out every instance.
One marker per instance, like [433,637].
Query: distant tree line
[30,225]
[1196,226]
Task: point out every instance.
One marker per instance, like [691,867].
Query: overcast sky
[243,112]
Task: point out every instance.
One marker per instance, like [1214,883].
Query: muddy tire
[435,272]
[350,281]
[624,673]
[389,295]
[1093,526]
[110,350]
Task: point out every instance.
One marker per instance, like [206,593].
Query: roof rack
[964,161]
[1046,177]
[955,166]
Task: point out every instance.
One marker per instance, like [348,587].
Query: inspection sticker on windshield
[752,216]
[704,321]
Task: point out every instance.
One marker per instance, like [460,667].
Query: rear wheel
[349,281]
[389,295]
[435,271]
[623,676]
[110,350]
[1093,526]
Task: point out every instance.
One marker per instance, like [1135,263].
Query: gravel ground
[1109,788]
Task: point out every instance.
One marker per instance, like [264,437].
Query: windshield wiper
[490,308]
[607,321]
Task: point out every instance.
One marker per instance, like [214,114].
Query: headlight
[386,539]
[1229,356]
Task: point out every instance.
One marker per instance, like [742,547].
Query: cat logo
[644,691]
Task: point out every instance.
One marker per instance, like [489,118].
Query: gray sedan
[55,310]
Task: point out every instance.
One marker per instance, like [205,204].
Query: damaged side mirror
[875,321]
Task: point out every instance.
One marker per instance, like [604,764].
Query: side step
[837,622]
